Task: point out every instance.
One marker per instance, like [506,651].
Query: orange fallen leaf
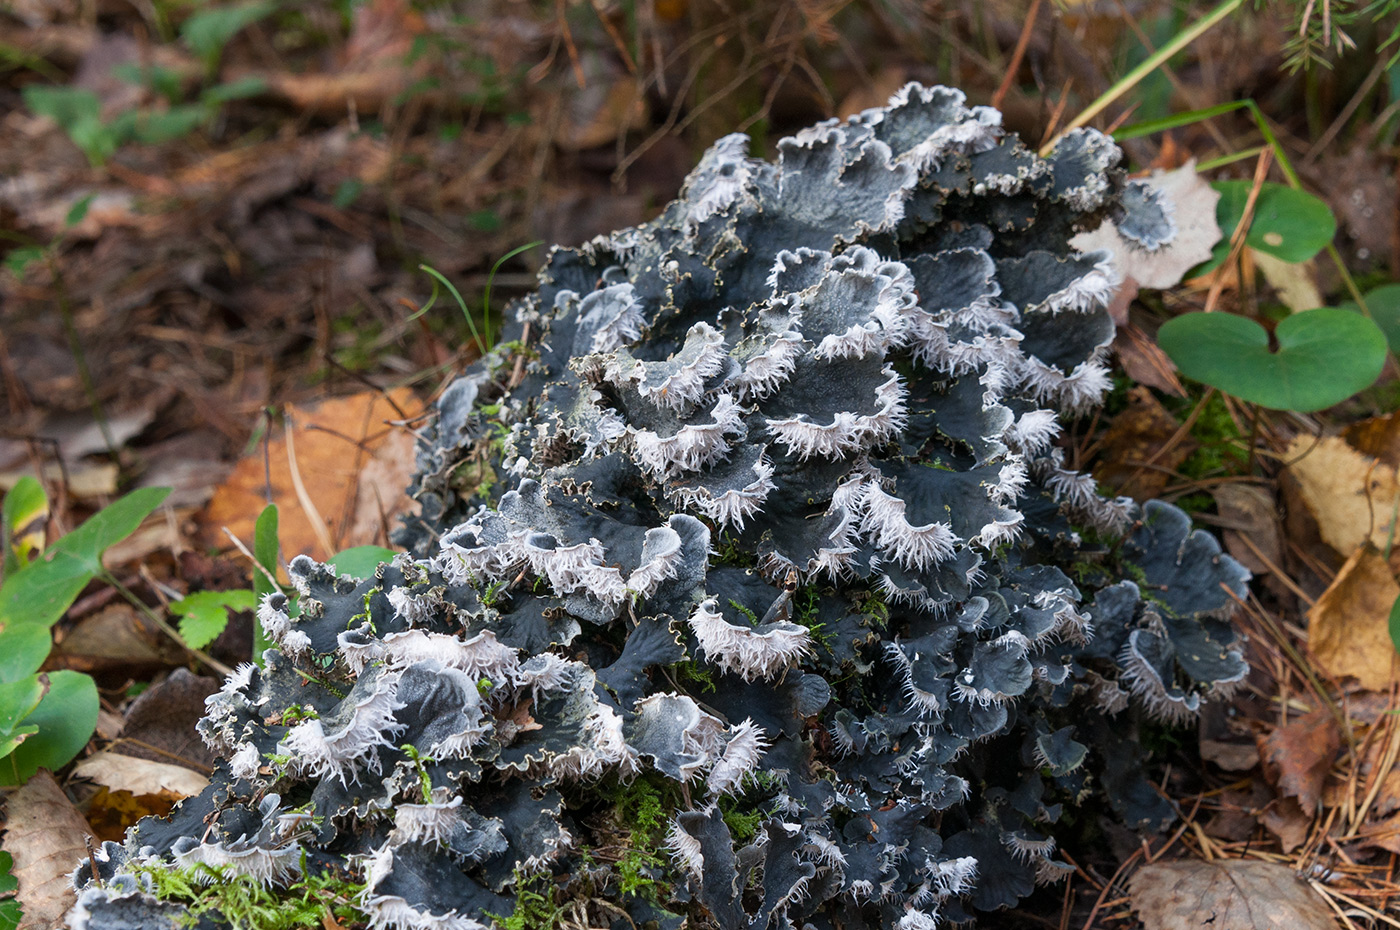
[352,467]
[1349,626]
[1231,894]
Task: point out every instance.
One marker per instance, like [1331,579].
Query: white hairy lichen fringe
[694,446]
[371,724]
[746,744]
[848,432]
[745,651]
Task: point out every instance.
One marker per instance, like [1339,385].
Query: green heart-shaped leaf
[65,717]
[1288,224]
[1324,356]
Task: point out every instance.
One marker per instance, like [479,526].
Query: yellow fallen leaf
[1353,497]
[1349,626]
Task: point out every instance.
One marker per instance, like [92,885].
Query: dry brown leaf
[1229,894]
[1248,512]
[47,836]
[1352,496]
[140,776]
[1192,202]
[1378,437]
[1232,757]
[160,723]
[115,638]
[1349,626]
[1132,439]
[1298,755]
[337,442]
[1285,819]
[1144,360]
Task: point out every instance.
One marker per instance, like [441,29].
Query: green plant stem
[160,622]
[1149,64]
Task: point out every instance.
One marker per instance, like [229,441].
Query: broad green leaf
[25,514]
[1323,357]
[204,615]
[10,914]
[1384,304]
[42,592]
[17,701]
[65,717]
[1288,224]
[361,561]
[23,648]
[209,30]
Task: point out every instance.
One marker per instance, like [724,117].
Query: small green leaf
[265,550]
[21,258]
[361,561]
[1395,624]
[347,192]
[265,553]
[204,615]
[79,211]
[1288,224]
[17,701]
[25,514]
[209,30]
[154,127]
[10,912]
[65,717]
[23,648]
[233,90]
[66,106]
[1324,356]
[43,591]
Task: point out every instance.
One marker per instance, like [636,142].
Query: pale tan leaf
[140,776]
[1232,894]
[47,837]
